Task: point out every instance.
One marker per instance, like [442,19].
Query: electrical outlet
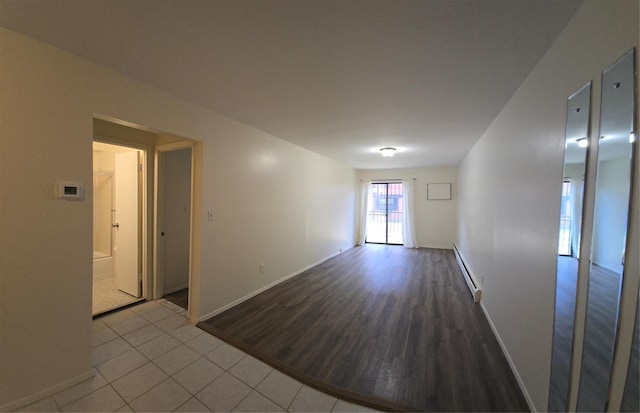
[261,268]
[210,215]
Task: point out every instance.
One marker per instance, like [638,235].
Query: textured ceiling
[341,78]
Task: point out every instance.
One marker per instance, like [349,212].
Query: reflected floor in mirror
[599,336]
[600,323]
[563,332]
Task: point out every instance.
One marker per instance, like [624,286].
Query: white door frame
[158,273]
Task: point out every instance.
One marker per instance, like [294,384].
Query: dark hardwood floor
[384,326]
[180,298]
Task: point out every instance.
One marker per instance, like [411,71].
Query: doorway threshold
[116,309]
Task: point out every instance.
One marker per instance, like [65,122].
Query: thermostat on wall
[73,191]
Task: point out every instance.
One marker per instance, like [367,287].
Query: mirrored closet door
[608,208]
[610,221]
[575,157]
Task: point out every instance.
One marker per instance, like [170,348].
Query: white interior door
[126,223]
[176,222]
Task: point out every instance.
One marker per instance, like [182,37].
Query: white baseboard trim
[472,282]
[15,405]
[266,287]
[523,388]
[469,278]
[437,247]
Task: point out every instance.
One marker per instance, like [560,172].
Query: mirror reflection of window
[566,213]
[611,211]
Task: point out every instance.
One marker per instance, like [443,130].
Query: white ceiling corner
[341,78]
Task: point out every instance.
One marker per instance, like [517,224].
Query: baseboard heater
[473,285]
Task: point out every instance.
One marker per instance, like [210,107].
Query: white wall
[574,171]
[435,220]
[611,213]
[274,203]
[104,161]
[102,205]
[510,183]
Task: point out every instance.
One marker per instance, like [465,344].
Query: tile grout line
[171,376]
[264,395]
[133,347]
[247,384]
[288,408]
[147,360]
[152,361]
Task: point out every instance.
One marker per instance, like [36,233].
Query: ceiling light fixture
[387,152]
[582,142]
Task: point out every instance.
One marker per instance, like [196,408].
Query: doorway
[152,147]
[117,226]
[384,215]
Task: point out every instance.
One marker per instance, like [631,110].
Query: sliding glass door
[384,215]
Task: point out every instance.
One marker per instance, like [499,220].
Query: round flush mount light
[582,142]
[387,152]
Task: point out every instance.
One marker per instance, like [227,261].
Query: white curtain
[408,225]
[576,188]
[364,208]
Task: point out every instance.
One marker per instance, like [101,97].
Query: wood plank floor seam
[384,326]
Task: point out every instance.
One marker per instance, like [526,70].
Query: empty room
[323,205]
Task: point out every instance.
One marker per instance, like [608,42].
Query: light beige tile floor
[148,358]
[106,295]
